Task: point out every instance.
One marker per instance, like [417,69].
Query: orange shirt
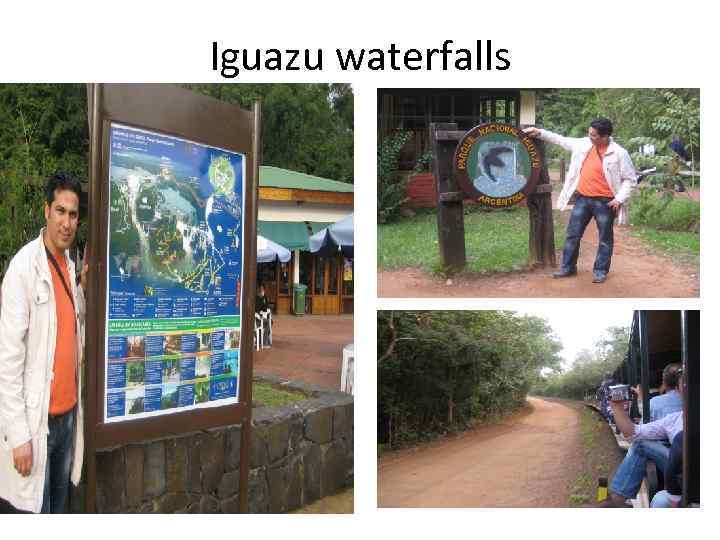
[592,177]
[63,389]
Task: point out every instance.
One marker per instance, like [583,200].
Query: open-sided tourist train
[658,338]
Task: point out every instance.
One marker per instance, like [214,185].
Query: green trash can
[299,291]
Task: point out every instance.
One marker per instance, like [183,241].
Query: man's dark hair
[603,126]
[61,181]
[671,375]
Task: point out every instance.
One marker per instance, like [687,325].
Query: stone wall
[298,454]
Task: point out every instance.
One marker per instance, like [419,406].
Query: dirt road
[529,460]
[635,273]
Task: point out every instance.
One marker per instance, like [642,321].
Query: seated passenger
[261,301]
[671,496]
[647,444]
[670,400]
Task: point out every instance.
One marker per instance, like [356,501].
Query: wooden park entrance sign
[172,221]
[495,165]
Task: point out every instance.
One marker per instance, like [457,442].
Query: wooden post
[451,226]
[542,233]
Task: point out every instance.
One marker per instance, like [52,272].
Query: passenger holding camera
[647,444]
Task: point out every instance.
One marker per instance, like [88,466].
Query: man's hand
[23,458]
[614,204]
[622,420]
[532,132]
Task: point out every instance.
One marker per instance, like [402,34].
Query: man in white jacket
[603,176]
[41,341]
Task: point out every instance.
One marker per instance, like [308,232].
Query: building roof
[282,178]
[292,235]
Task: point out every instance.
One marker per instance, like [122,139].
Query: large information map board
[175,274]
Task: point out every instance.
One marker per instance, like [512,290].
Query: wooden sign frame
[171,111]
[454,187]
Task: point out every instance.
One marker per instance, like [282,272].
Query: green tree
[440,370]
[392,189]
[43,128]
[305,126]
[589,367]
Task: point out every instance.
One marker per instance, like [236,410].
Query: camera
[619,392]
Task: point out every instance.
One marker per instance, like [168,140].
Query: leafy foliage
[391,188]
[589,368]
[424,162]
[306,127]
[440,370]
[658,114]
[44,128]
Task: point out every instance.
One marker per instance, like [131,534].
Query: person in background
[669,400]
[671,496]
[261,301]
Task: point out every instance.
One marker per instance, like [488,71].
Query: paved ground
[307,349]
[531,459]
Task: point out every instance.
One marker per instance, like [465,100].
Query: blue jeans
[630,473]
[586,208]
[59,459]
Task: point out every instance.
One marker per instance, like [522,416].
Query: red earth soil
[530,459]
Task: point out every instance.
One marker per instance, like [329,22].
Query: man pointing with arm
[603,176]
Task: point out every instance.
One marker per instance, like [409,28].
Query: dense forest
[43,128]
[589,368]
[441,370]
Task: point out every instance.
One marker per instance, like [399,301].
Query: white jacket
[28,329]
[617,165]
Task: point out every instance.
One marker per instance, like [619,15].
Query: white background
[551,43]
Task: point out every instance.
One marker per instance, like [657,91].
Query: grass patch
[495,241]
[668,225]
[583,489]
[600,457]
[272,396]
[665,213]
[681,246]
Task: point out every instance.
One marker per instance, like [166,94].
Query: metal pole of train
[644,365]
[632,369]
[690,327]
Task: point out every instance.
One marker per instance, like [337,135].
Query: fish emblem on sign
[497,165]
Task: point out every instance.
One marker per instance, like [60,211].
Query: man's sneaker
[599,277]
[564,273]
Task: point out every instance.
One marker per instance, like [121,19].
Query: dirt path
[635,273]
[529,460]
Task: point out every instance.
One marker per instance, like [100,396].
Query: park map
[174,275]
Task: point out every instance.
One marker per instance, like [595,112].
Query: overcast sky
[578,326]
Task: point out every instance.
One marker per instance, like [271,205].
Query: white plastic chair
[267,327]
[258,332]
